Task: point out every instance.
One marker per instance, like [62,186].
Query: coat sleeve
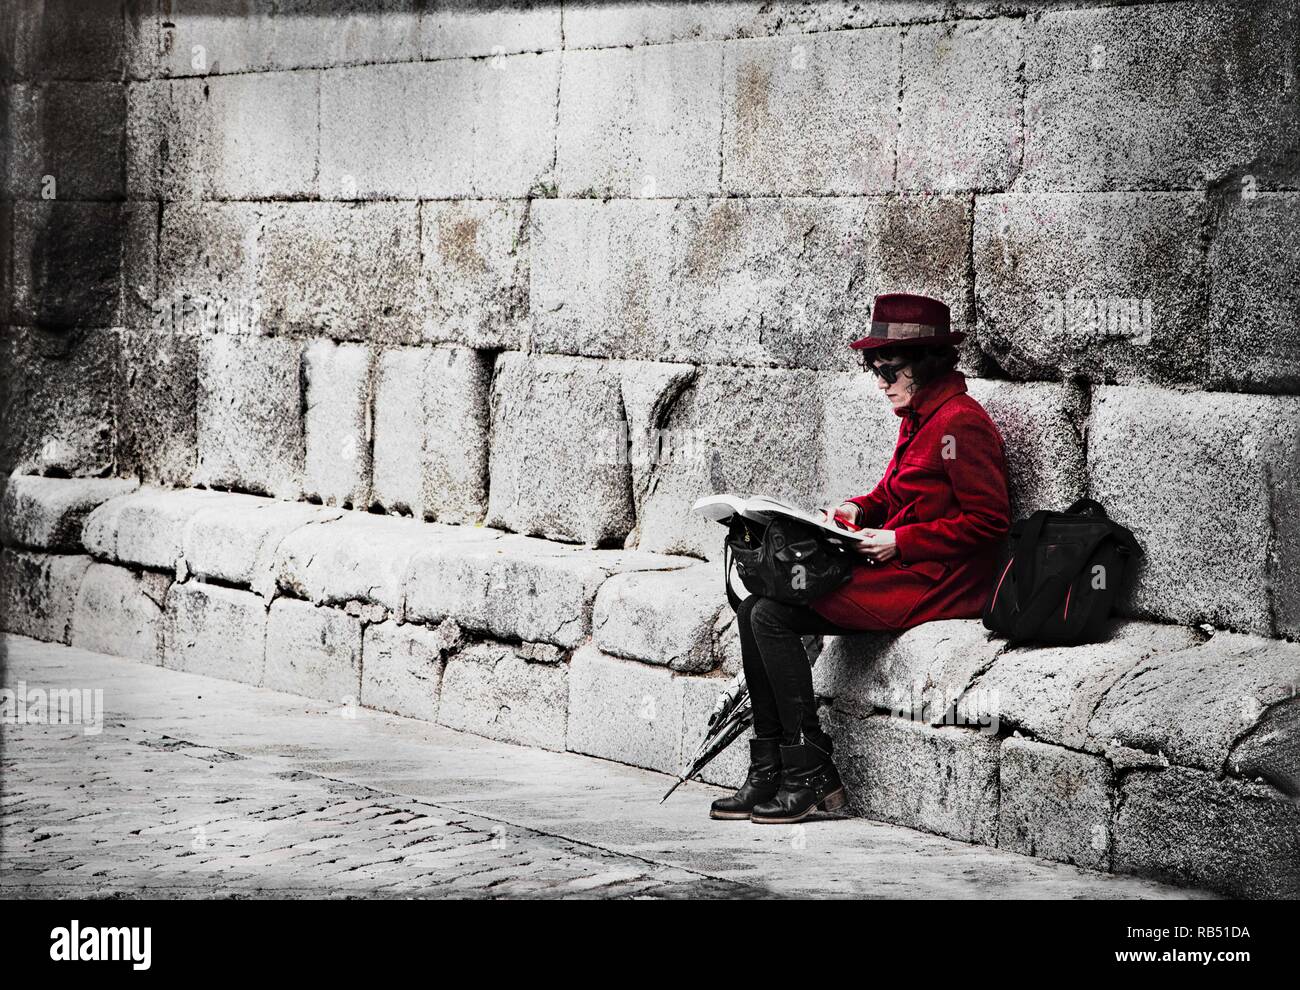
[978,476]
[873,505]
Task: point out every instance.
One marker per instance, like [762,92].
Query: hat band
[903,331]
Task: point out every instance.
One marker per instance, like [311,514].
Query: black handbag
[1063,574]
[785,559]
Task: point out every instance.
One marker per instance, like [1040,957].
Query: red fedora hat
[902,319]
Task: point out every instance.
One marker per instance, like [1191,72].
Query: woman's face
[899,393]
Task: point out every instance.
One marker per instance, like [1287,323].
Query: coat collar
[927,398]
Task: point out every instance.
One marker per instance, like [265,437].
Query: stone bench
[1167,751]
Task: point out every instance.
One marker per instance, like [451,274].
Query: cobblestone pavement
[197,787]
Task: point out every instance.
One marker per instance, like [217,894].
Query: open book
[763,509]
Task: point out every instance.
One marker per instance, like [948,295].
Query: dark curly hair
[928,361]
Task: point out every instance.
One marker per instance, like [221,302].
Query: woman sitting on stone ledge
[937,520]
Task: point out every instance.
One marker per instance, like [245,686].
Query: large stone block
[1055,803]
[64,39]
[919,673]
[69,260]
[401,667]
[236,36]
[517,587]
[640,122]
[1208,484]
[220,632]
[1051,692]
[49,513]
[38,593]
[942,780]
[459,30]
[253,136]
[476,261]
[625,711]
[803,117]
[313,651]
[250,429]
[361,557]
[337,425]
[738,281]
[497,690]
[56,402]
[1254,332]
[303,248]
[1103,285]
[1196,706]
[145,528]
[431,432]
[235,539]
[960,115]
[157,382]
[1042,424]
[450,129]
[1160,96]
[119,612]
[67,141]
[556,466]
[661,617]
[209,255]
[1186,827]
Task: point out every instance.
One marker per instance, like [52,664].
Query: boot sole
[729,816]
[831,802]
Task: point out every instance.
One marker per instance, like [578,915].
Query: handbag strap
[733,599]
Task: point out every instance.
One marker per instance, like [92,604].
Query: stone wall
[531,278]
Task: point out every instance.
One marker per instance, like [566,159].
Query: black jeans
[777,670]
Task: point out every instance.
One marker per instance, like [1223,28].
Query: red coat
[944,494]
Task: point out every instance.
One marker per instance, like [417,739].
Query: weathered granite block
[250,428]
[942,780]
[313,651]
[147,527]
[401,666]
[730,767]
[640,122]
[216,631]
[1196,705]
[1103,111]
[1210,485]
[431,433]
[38,593]
[1051,692]
[960,125]
[119,612]
[661,617]
[1055,803]
[1184,826]
[420,148]
[1102,285]
[625,711]
[49,513]
[475,268]
[236,538]
[494,690]
[337,426]
[157,398]
[800,116]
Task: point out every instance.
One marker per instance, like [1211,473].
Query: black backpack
[786,560]
[1063,573]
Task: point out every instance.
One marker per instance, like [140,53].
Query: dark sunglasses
[889,372]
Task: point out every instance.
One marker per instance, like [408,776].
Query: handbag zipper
[998,590]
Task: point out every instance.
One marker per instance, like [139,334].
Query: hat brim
[872,343]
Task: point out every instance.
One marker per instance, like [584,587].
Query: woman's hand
[848,513]
[877,545]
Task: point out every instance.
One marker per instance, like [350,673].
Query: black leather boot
[809,782]
[761,785]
